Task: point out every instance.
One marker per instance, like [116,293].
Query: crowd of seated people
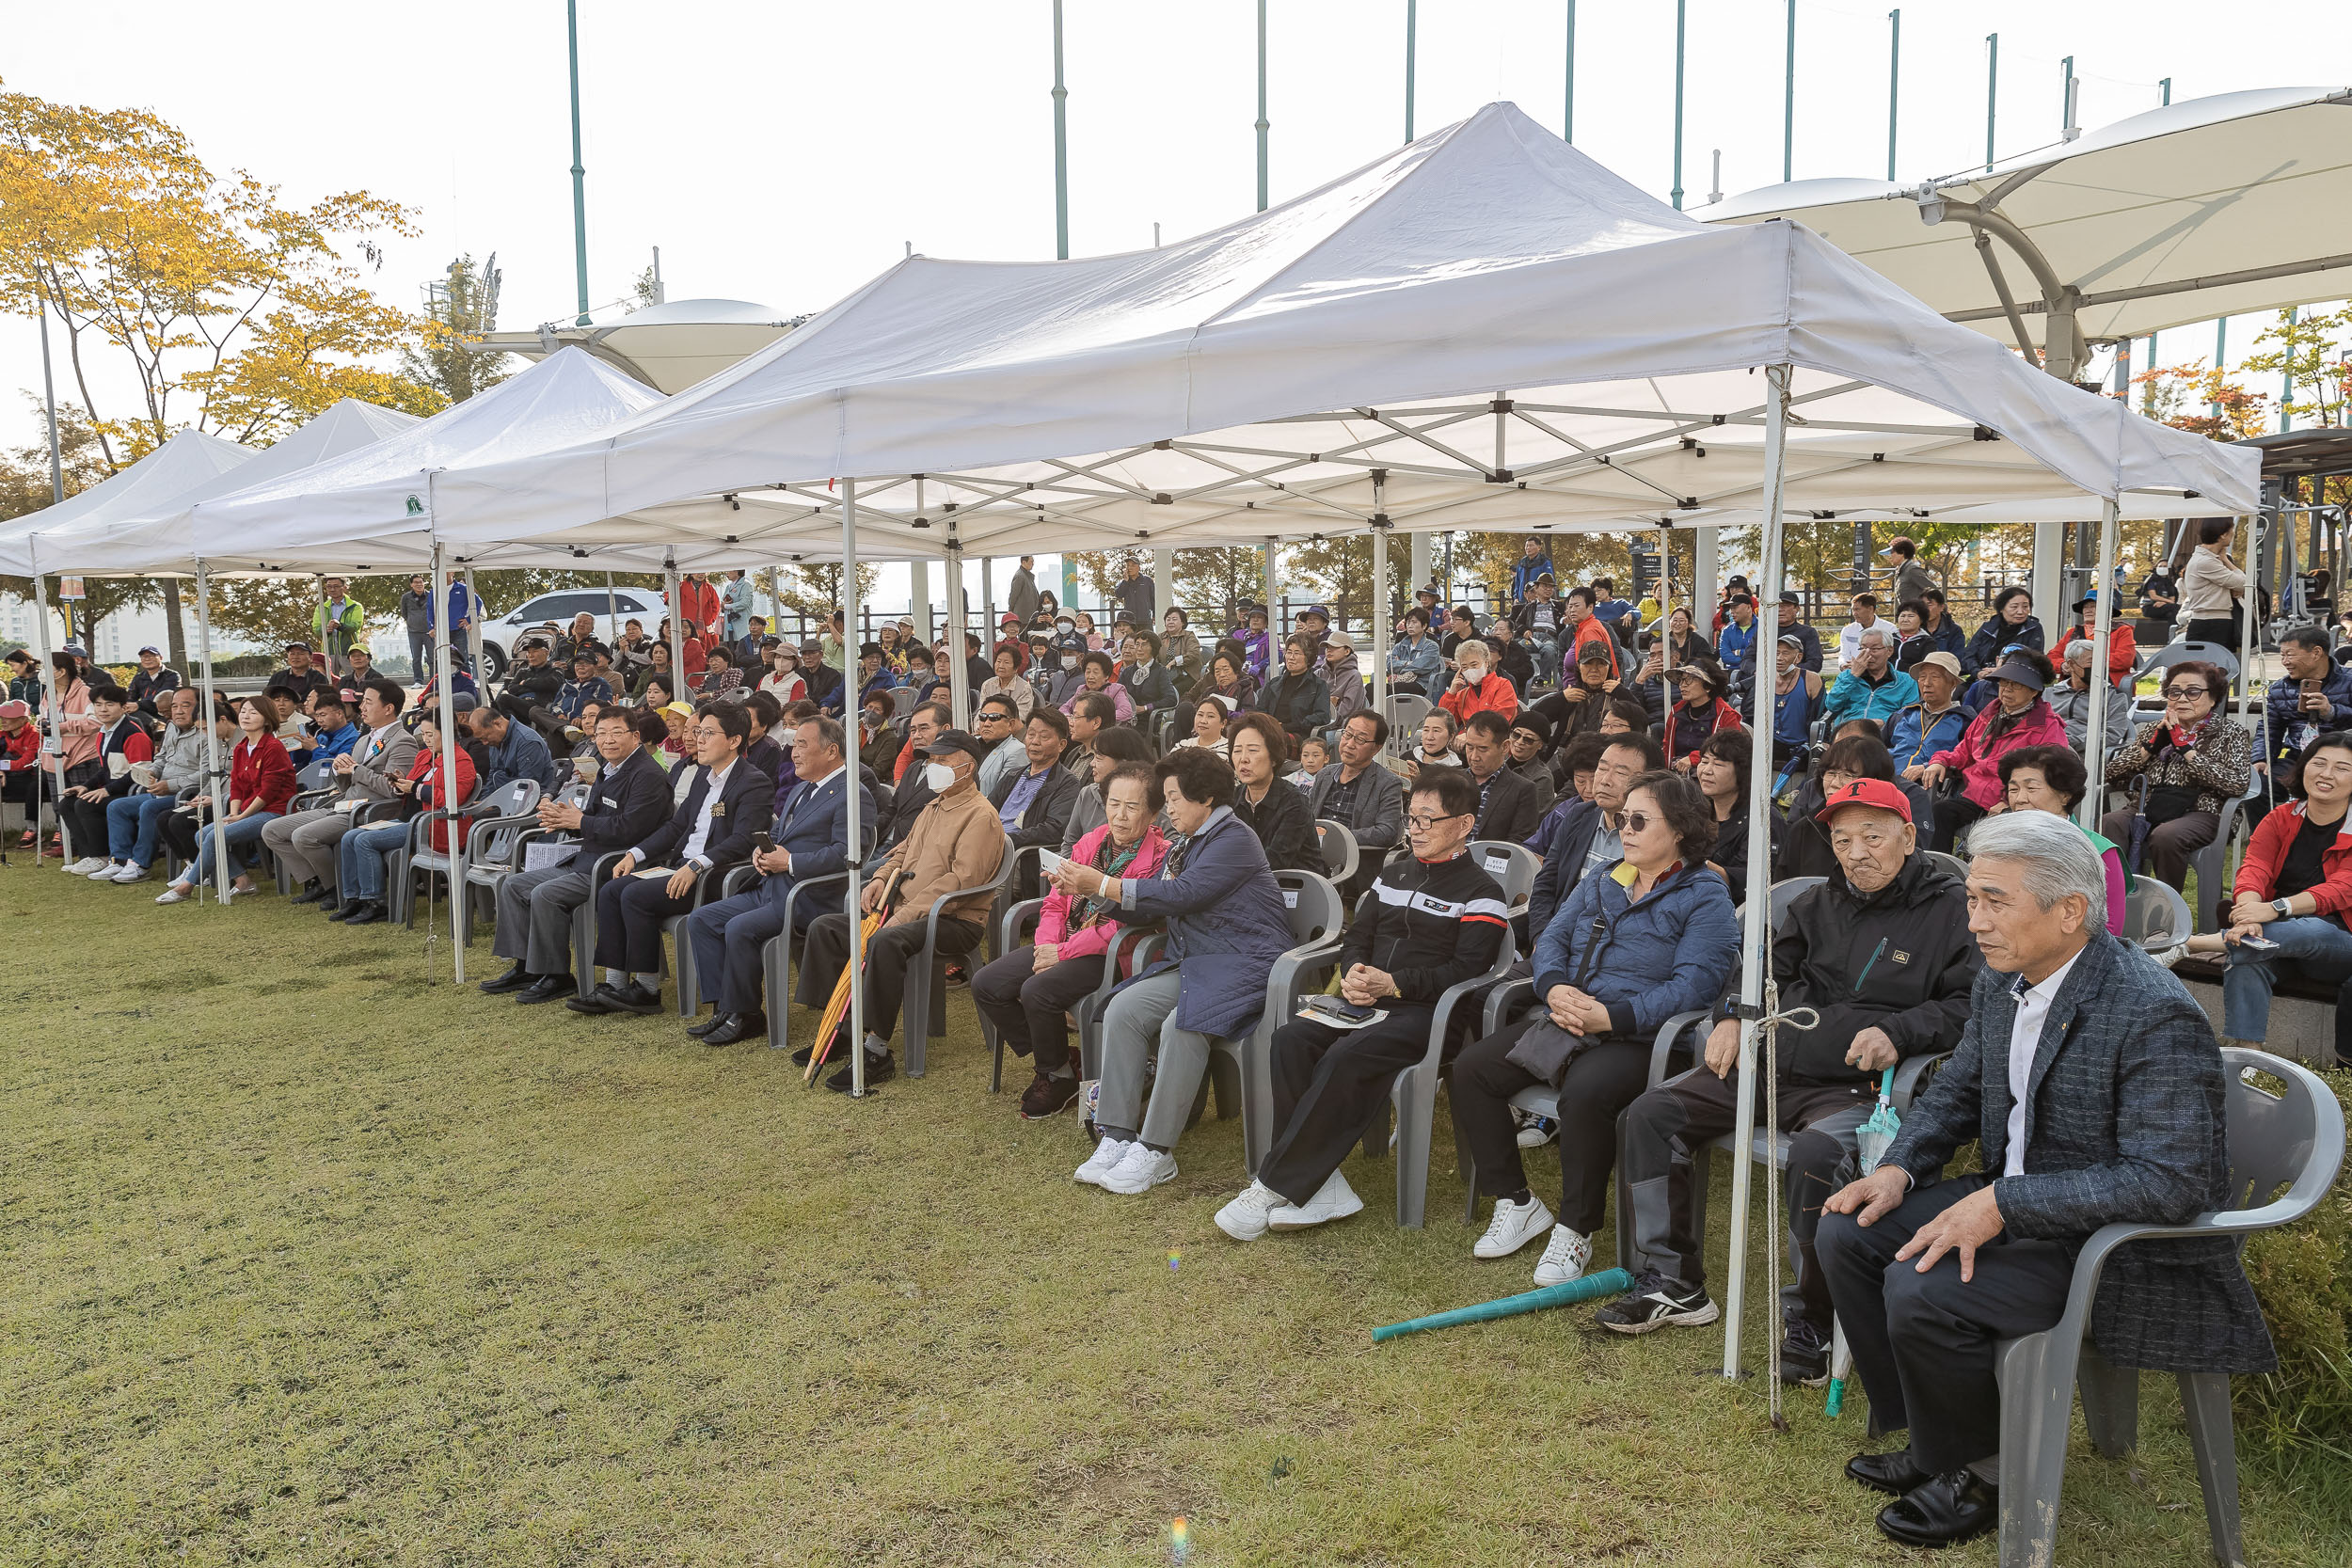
[1155,781]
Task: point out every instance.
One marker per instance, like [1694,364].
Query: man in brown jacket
[957,842]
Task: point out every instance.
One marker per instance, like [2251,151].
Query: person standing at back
[1021,595]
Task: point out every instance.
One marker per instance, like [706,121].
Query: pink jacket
[1980,760]
[1052,924]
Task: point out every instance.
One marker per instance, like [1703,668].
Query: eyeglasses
[2189,691]
[1422,824]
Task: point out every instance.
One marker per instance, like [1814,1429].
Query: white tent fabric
[371,508]
[162,538]
[2196,190]
[669,346]
[187,462]
[1254,381]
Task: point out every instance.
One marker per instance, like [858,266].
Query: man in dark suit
[630,799]
[1035,803]
[1511,805]
[711,830]
[2093,1086]
[812,840]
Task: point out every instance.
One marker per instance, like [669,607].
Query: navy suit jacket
[746,806]
[813,826]
[627,806]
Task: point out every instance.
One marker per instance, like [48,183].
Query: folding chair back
[1515,865]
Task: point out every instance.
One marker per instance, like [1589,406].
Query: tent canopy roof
[669,346]
[186,462]
[2196,190]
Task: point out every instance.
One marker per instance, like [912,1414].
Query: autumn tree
[1215,582]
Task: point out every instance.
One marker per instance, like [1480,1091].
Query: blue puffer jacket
[1225,925]
[1669,954]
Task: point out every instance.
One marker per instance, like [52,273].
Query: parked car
[499,637]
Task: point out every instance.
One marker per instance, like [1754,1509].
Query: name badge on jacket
[719,808]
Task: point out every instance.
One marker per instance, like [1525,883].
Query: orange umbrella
[837,1008]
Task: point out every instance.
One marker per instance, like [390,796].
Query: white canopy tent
[669,346]
[187,462]
[2215,207]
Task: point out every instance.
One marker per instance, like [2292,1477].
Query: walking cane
[837,1008]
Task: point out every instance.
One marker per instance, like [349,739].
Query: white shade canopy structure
[669,346]
[371,508]
[1484,329]
[161,539]
[187,463]
[2214,207]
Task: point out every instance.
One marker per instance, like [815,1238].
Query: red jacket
[427,771]
[1495,695]
[2123,651]
[261,771]
[1691,737]
[2266,852]
[701,603]
[21,752]
[1977,756]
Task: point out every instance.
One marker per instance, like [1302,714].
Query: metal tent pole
[2248,636]
[1380,526]
[958,671]
[1061,187]
[1682,9]
[1992,88]
[216,780]
[1788,104]
[449,801]
[677,632]
[850,795]
[580,174]
[1411,20]
[1755,932]
[1894,83]
[1261,119]
[52,774]
[612,613]
[2102,628]
[1567,112]
[473,625]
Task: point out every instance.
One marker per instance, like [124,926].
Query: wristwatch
[2279,907]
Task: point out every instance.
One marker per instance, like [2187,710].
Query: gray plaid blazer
[2124,1122]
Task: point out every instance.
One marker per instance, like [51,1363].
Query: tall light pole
[580,174]
[1567,113]
[1410,19]
[1894,82]
[1682,9]
[1788,104]
[1992,90]
[1261,119]
[1061,147]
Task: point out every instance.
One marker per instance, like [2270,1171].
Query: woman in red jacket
[261,786]
[1701,712]
[1478,687]
[2294,892]
[365,853]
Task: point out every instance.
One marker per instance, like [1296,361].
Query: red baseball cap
[1868,792]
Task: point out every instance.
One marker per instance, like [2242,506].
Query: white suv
[625,604]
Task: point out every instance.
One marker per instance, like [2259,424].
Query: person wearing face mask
[957,842]
[1477,687]
[783,680]
[811,840]
[1060,665]
[1650,936]
[627,805]
[1435,920]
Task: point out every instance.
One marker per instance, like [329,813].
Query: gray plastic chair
[1013,931]
[1405,713]
[1952,863]
[1414,1094]
[1513,865]
[2294,1141]
[494,847]
[719,881]
[2157,917]
[1316,915]
[1340,855]
[775,958]
[927,969]
[2212,862]
[512,801]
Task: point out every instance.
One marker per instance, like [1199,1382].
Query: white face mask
[1070,662]
[939,776]
[786,738]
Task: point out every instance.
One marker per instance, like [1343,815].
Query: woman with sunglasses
[2193,759]
[1637,942]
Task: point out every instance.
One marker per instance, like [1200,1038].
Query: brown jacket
[953,844]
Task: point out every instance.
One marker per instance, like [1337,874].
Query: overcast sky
[783,152]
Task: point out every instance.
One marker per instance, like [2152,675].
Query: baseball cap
[1315,610]
[290,647]
[1942,662]
[151,648]
[76,649]
[1340,642]
[1868,792]
[1789,597]
[948,741]
[1796,642]
[463,702]
[1590,652]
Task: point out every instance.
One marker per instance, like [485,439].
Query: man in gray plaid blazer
[2094,1087]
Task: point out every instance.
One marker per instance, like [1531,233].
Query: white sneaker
[1106,1155]
[104,873]
[1515,1225]
[1334,1201]
[176,894]
[1245,1218]
[236,892]
[132,872]
[1140,1170]
[83,867]
[1564,1257]
[1535,1131]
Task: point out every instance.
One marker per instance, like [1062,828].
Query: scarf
[1085,911]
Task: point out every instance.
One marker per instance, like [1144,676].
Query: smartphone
[761,844]
[2260,945]
[1047,862]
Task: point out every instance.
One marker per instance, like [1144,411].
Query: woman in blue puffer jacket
[1635,943]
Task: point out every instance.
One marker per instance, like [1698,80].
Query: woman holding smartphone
[2294,889]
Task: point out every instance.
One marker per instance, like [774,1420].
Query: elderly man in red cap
[1882,953]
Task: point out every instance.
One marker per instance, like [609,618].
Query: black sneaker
[1654,1303]
[1048,1096]
[880,1068]
[312,893]
[1804,1357]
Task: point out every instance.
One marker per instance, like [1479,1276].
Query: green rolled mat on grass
[1609,1282]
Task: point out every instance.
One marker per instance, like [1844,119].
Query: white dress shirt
[2025,1034]
[690,853]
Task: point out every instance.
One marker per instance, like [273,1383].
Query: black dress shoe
[736,1026]
[513,979]
[333,908]
[367,912]
[1894,1473]
[312,891]
[880,1068]
[799,1058]
[545,988]
[707,1025]
[597,1000]
[628,997]
[1943,1510]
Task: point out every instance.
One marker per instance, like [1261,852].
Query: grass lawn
[311,1259]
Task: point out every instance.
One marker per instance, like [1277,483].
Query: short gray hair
[1871,634]
[2056,860]
[2079,651]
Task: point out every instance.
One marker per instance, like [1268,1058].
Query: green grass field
[311,1259]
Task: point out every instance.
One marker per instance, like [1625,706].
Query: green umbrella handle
[1837,1398]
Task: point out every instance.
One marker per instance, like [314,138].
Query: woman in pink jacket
[1027,993]
[2018,717]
